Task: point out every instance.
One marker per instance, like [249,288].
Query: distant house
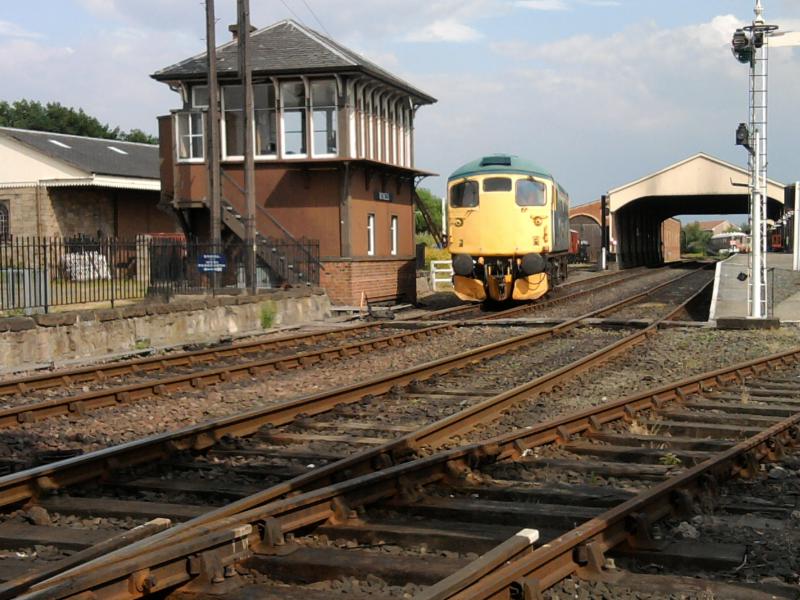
[717,227]
[65,185]
[334,156]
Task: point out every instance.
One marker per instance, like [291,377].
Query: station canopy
[699,185]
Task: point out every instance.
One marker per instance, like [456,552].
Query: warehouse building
[54,184]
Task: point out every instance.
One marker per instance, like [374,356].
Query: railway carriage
[508,229]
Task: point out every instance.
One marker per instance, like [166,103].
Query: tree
[56,118]
[434,205]
[137,135]
[695,240]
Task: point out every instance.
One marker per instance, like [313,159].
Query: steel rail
[26,484]
[535,571]
[81,403]
[112,396]
[165,565]
[394,452]
[616,278]
[151,364]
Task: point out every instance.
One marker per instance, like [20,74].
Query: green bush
[267,314]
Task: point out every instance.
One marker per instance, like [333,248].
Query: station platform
[730,294]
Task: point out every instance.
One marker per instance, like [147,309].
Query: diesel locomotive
[508,229]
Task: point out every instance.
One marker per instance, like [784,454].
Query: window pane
[293,94]
[530,193]
[234,132]
[232,97]
[323,93]
[325,130]
[294,123]
[264,96]
[3,221]
[265,132]
[183,135]
[497,184]
[464,195]
[197,146]
[200,96]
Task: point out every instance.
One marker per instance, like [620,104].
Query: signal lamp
[743,136]
[740,40]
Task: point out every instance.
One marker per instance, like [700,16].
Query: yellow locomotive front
[508,229]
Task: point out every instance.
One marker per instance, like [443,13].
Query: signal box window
[497,184]
[464,195]
[371,234]
[530,193]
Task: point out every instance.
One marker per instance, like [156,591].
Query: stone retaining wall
[70,336]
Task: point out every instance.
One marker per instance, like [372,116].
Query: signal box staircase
[288,259]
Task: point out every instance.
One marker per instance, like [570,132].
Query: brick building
[64,185]
[334,156]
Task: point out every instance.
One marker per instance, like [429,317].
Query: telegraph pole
[246,76]
[796,229]
[212,132]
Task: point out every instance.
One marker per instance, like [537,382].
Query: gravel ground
[301,346]
[114,425]
[672,354]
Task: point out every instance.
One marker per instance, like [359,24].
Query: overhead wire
[316,18]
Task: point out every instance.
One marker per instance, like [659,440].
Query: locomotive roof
[500,163]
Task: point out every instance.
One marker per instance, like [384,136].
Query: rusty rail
[163,560]
[92,400]
[389,456]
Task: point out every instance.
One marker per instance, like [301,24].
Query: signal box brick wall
[378,279]
[72,211]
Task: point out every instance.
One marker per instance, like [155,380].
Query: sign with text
[211,263]
[384,196]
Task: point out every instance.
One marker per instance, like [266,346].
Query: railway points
[469,497]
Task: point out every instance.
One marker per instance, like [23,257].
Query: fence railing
[441,272]
[39,273]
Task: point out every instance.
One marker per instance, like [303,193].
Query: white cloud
[543,4]
[9,29]
[447,30]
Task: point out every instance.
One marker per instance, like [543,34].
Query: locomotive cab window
[530,193]
[464,195]
[497,184]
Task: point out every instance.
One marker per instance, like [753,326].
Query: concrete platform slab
[730,291]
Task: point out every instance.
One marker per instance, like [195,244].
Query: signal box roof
[500,163]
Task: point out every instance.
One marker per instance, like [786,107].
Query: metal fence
[38,273]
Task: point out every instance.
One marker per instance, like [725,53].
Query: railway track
[563,293]
[415,526]
[382,452]
[188,370]
[103,373]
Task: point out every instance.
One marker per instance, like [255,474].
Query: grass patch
[268,312]
[142,344]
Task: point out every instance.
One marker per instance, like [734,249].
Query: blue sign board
[211,263]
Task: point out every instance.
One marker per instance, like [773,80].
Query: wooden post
[213,134]
[246,77]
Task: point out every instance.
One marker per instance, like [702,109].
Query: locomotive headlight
[538,221]
[458,222]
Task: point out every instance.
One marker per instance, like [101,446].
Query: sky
[599,92]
